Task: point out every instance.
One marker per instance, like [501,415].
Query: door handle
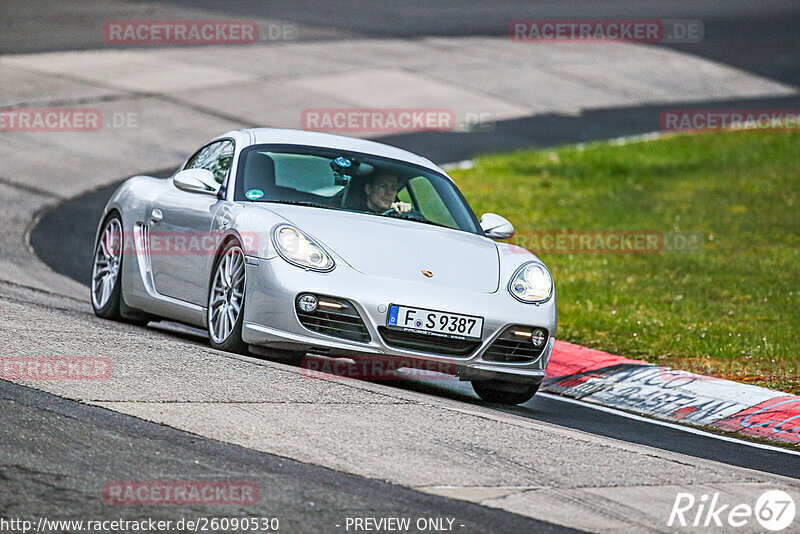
[156,216]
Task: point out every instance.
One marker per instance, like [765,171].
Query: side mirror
[196,181]
[496,227]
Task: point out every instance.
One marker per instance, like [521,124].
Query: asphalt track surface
[310,499]
[759,38]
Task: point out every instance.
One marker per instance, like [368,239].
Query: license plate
[435,323]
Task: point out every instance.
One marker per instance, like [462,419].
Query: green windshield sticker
[254,194]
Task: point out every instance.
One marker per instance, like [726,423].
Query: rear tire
[225,313]
[503,392]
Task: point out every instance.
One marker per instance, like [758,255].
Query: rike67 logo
[774,510]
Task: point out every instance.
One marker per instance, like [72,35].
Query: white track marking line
[683,428]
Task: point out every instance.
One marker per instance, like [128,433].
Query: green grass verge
[730,308]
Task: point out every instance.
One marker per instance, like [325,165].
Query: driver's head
[382,191]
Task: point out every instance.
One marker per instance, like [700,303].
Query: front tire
[106,283]
[503,392]
[225,314]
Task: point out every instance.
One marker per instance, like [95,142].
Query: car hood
[394,248]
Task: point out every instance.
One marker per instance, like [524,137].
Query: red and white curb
[673,395]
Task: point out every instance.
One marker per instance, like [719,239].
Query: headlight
[299,249]
[531,283]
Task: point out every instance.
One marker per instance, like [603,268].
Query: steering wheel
[411,214]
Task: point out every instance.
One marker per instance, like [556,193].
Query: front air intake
[331,316]
[516,345]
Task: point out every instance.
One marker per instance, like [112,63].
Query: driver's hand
[401,207]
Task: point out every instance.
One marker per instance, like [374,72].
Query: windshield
[335,179]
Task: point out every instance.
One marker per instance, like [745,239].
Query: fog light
[538,337]
[307,303]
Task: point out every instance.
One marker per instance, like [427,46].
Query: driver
[382,194]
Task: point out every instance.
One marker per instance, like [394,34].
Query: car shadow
[436,384]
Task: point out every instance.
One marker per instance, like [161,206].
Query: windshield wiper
[301,203]
[416,219]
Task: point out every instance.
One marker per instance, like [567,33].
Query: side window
[430,203]
[216,157]
[308,174]
[404,196]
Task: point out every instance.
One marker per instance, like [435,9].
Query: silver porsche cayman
[296,243]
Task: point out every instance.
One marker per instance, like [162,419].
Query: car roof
[258,136]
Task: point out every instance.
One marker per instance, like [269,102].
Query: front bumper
[271,319]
